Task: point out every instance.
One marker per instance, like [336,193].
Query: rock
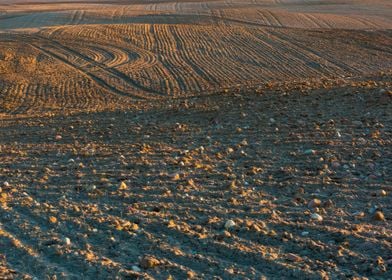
[316,217]
[67,241]
[190,274]
[314,203]
[136,268]
[293,257]
[58,137]
[123,186]
[358,214]
[90,188]
[383,193]
[52,219]
[6,184]
[379,216]
[229,224]
[149,262]
[310,152]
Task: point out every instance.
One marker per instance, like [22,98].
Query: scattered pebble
[314,203]
[293,257]
[91,188]
[67,241]
[136,268]
[379,216]
[123,186]
[230,224]
[149,262]
[316,217]
[310,152]
[52,219]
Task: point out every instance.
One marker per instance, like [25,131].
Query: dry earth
[196,139]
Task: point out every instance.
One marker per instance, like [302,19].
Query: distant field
[91,55]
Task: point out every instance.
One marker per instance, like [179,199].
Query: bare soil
[195,140]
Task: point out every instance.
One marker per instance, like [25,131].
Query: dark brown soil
[269,162]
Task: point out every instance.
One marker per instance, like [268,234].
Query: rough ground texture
[196,139]
[189,166]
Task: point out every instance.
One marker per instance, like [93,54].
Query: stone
[314,203]
[123,186]
[67,241]
[293,257]
[316,217]
[379,216]
[383,193]
[136,268]
[149,262]
[230,224]
[310,152]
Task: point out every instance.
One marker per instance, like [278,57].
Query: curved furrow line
[227,52]
[195,79]
[99,81]
[321,21]
[366,22]
[273,18]
[174,62]
[313,23]
[30,96]
[264,19]
[145,58]
[162,49]
[101,54]
[191,57]
[271,54]
[121,56]
[204,63]
[292,41]
[214,55]
[95,53]
[102,73]
[19,94]
[239,49]
[210,61]
[299,55]
[155,77]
